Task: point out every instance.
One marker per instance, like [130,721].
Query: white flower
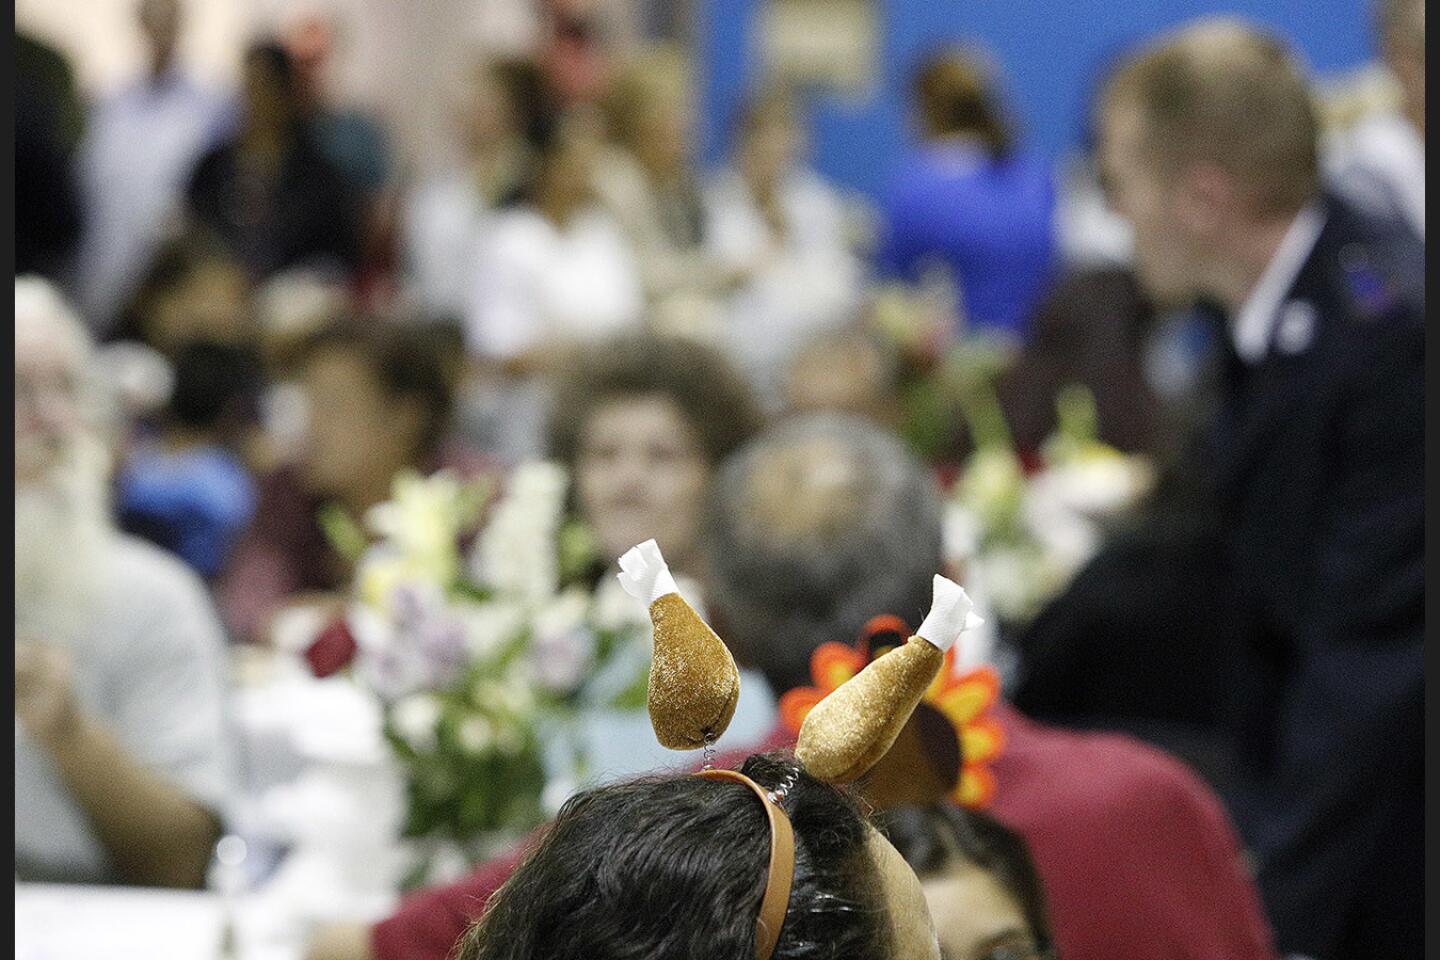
[489,625]
[414,718]
[421,524]
[516,554]
[561,660]
[961,532]
[992,483]
[476,734]
[510,697]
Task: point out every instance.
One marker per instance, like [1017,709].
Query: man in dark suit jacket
[1208,147]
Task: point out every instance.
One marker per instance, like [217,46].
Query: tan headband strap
[782,863]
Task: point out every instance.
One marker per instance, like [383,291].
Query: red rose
[332,650]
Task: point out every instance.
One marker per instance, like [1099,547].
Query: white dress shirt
[537,282]
[1254,324]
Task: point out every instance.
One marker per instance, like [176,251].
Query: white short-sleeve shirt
[151,667]
[537,282]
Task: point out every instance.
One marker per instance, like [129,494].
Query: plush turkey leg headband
[694,684]
[849,731]
[694,687]
[693,681]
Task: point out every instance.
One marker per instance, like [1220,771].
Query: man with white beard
[121,763]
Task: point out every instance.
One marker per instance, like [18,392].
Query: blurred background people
[194,288]
[122,769]
[49,120]
[649,184]
[1380,162]
[784,233]
[189,488]
[270,192]
[643,421]
[970,201]
[140,146]
[496,110]
[555,270]
[1316,462]
[846,371]
[377,401]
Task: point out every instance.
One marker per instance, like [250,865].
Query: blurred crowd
[237,322]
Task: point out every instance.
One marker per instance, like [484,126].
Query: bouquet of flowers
[1025,535]
[480,656]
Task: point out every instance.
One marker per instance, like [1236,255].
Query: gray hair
[43,315]
[813,528]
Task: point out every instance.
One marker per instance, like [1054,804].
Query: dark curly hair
[711,395]
[936,838]
[673,868]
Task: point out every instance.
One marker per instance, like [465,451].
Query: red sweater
[1138,858]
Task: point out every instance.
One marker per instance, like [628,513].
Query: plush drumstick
[694,684]
[845,734]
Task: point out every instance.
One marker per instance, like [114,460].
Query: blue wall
[1050,53]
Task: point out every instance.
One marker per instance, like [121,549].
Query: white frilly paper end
[644,575]
[951,614]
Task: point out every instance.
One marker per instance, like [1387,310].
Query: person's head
[1401,27]
[979,881]
[378,395]
[1207,144]
[847,371]
[651,111]
[271,87]
[770,138]
[813,528]
[61,459]
[160,22]
[674,867]
[216,389]
[955,95]
[643,421]
[194,289]
[500,100]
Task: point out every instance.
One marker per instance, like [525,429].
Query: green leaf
[344,534]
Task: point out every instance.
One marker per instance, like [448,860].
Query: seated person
[643,421]
[187,489]
[979,881]
[121,761]
[668,868]
[378,395]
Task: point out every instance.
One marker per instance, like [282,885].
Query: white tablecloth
[57,922]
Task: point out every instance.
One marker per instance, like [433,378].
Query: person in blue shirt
[969,201]
[188,489]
